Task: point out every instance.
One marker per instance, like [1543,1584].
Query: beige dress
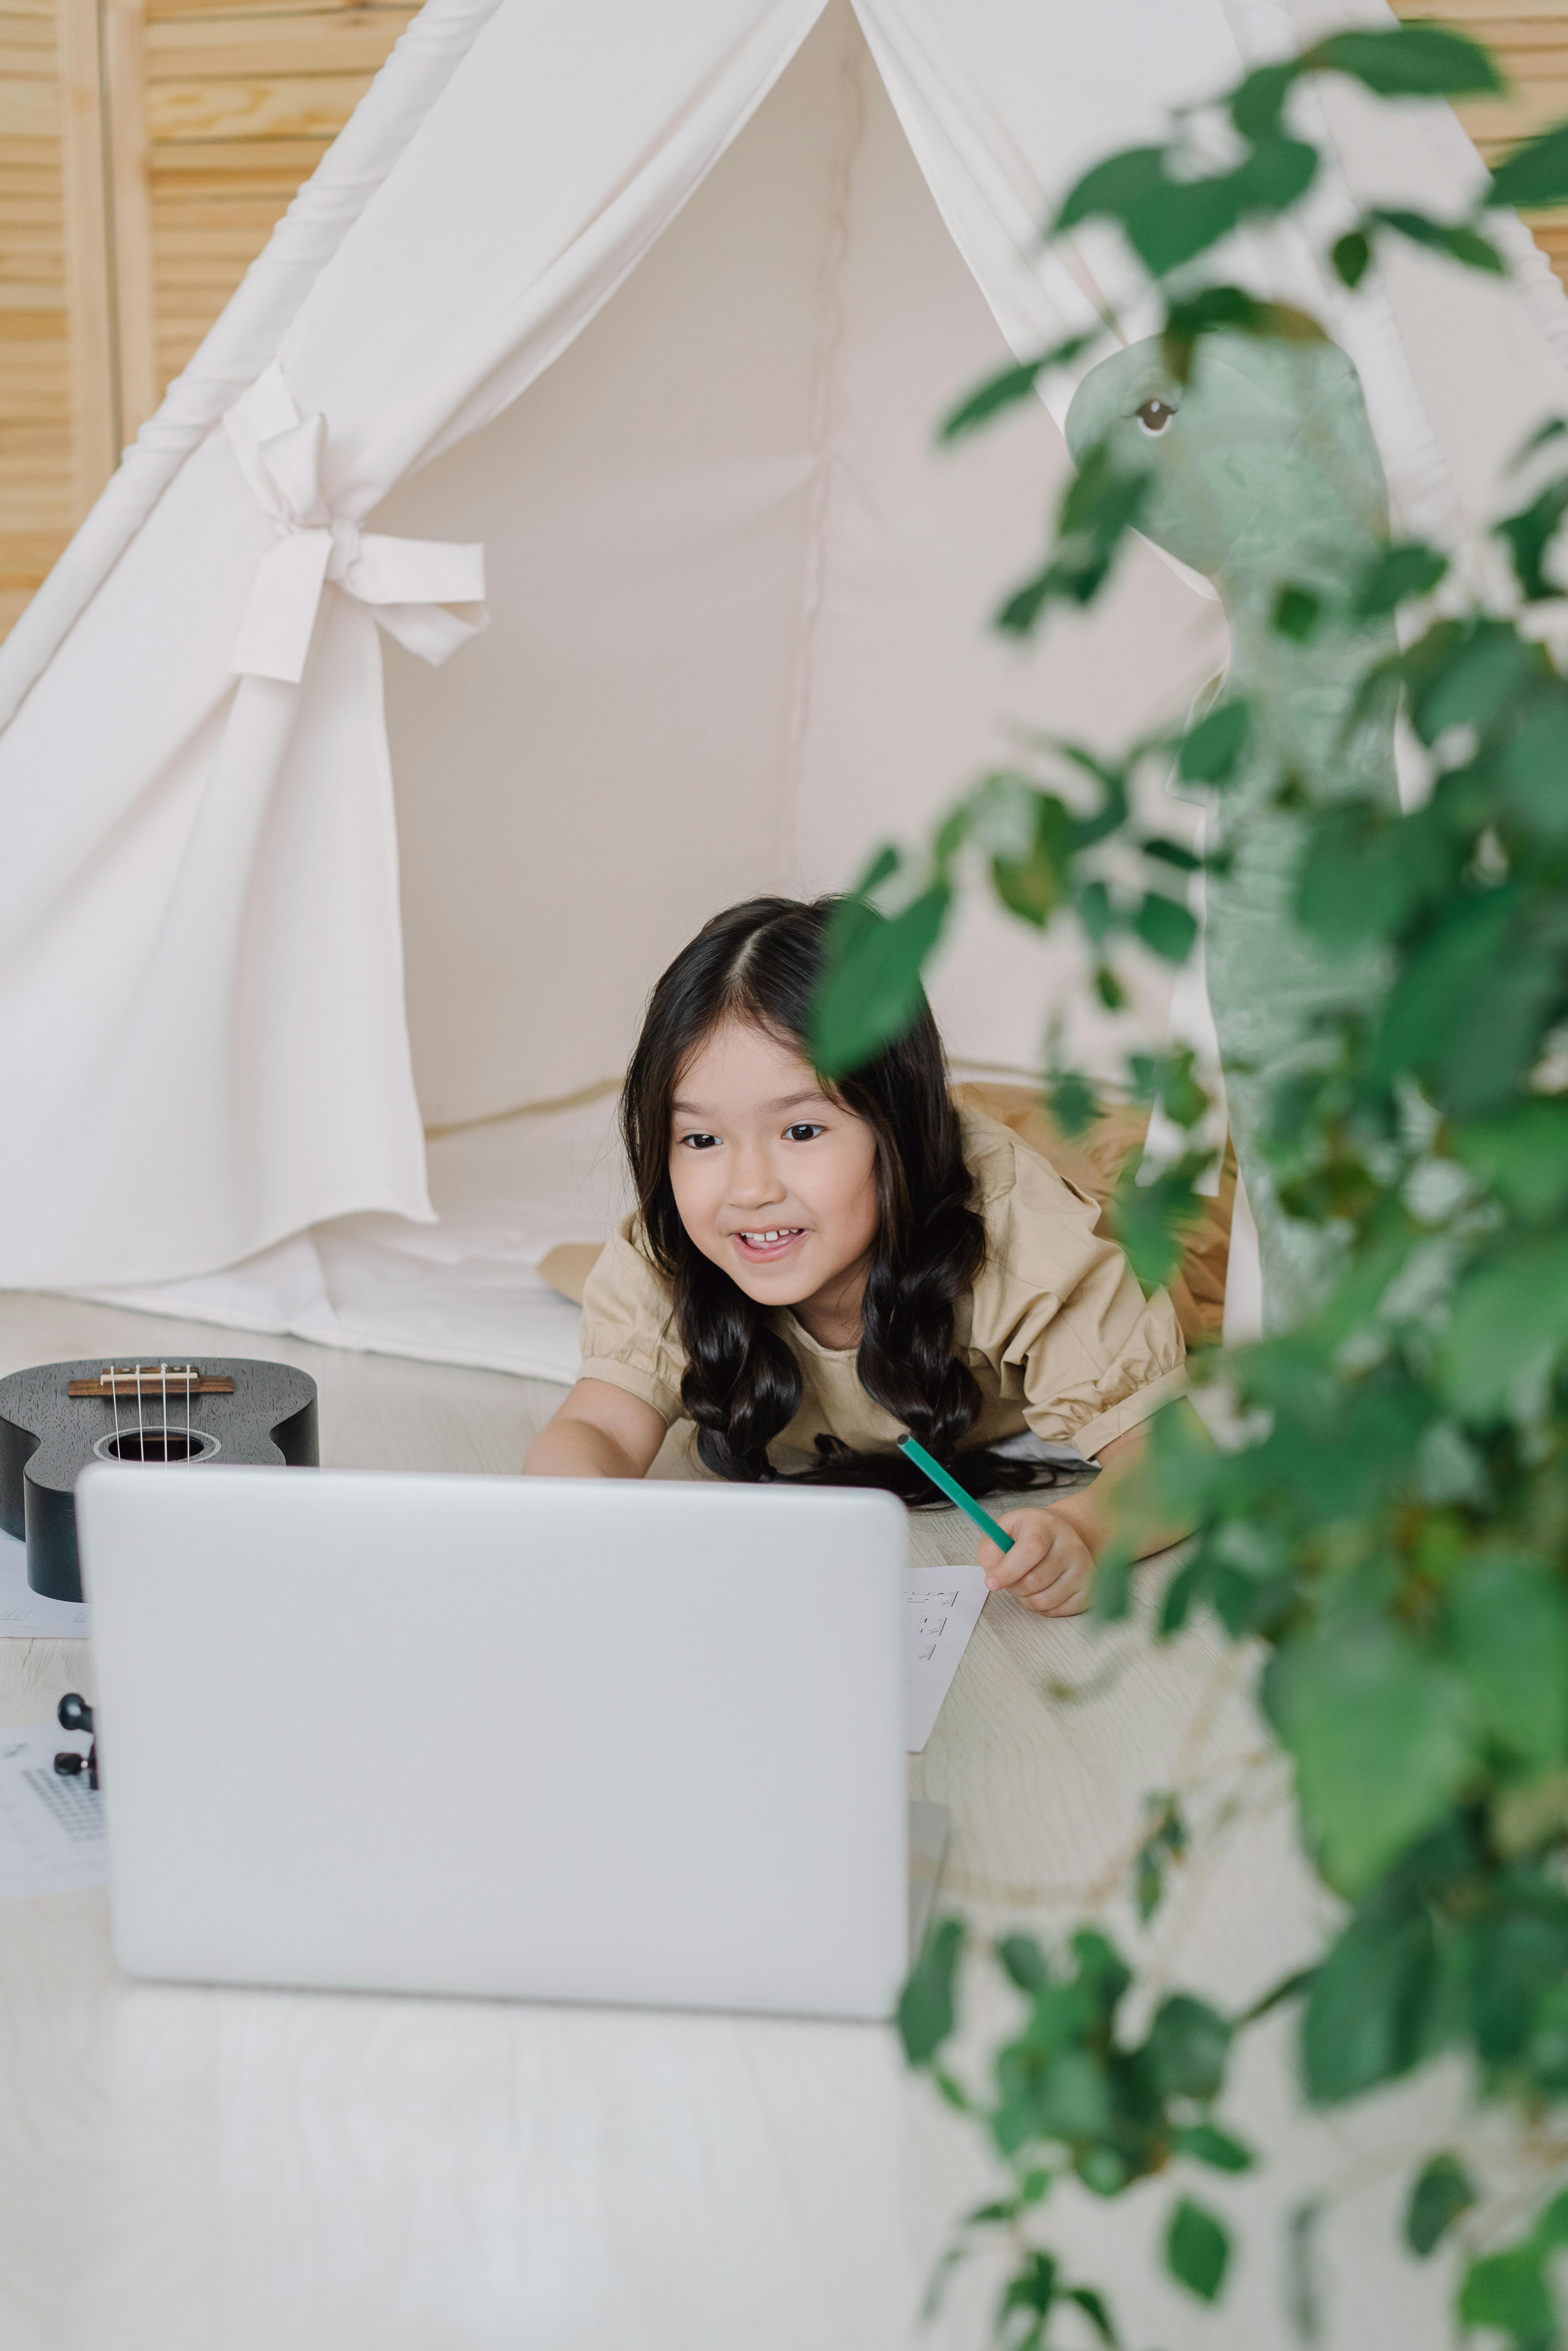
[1058,1333]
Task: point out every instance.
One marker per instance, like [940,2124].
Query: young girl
[813,1272]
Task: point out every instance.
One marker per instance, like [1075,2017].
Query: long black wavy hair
[761,962]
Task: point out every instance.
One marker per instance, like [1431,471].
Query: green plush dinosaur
[1264,471]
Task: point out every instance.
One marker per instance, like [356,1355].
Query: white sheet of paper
[941,1608]
[51,1830]
[26,1614]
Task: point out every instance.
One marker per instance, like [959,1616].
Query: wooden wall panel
[37,492]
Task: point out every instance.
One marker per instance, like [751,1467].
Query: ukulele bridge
[143,1383]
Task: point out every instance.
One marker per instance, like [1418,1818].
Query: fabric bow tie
[405,582]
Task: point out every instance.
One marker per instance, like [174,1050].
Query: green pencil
[955,1492]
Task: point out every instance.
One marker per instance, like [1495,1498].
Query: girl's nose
[753,1179]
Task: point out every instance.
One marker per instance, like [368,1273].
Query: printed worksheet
[51,1829]
[26,1614]
[941,1608]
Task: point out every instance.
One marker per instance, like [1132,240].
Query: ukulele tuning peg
[73,1713]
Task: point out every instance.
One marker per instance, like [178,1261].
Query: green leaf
[1208,2144]
[1529,532]
[1366,2005]
[1210,750]
[1033,2286]
[870,990]
[1189,2047]
[1257,102]
[1443,979]
[1509,2291]
[1297,611]
[1520,1955]
[1487,665]
[1533,768]
[1094,2308]
[1108,189]
[1523,1155]
[1165,927]
[1036,886]
[1010,386]
[1382,1739]
[1535,176]
[1358,879]
[1397,575]
[1277,174]
[1171,852]
[1410,61]
[925,2013]
[1507,1633]
[1508,1329]
[1024,1961]
[1072,2096]
[1456,238]
[1150,1220]
[1101,504]
[1072,1102]
[1182,218]
[1198,2250]
[1352,257]
[1441,2192]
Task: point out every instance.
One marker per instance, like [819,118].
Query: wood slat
[276,161]
[29,109]
[288,106]
[329,42]
[161,11]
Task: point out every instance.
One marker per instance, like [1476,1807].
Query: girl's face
[773,1179]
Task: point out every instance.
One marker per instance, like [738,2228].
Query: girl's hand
[1050,1567]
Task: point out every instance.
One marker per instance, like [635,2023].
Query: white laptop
[527,1737]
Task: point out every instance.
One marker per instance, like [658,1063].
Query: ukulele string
[189,1376]
[141,1431]
[114,1395]
[163,1376]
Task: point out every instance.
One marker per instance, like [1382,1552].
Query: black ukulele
[57,1417]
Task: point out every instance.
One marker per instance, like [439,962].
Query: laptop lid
[583,1740]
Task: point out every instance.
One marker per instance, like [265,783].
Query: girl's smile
[767,1248]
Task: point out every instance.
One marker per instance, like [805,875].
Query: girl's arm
[600,1431]
[1051,1564]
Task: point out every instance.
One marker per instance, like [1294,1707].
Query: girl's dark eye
[699,1142]
[1154,415]
[804,1131]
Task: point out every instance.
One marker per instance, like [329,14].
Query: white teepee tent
[273,900]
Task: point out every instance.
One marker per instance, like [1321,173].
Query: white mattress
[466,1290]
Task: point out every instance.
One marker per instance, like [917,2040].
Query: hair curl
[761,962]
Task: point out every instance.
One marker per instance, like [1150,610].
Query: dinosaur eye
[1154,415]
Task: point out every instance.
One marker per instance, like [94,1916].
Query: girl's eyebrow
[785,1102]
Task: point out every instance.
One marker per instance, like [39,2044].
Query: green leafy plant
[1389,1517]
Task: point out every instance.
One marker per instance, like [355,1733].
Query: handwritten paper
[51,1829]
[26,1614]
[941,1608]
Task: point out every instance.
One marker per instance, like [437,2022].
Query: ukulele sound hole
[157,1445]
